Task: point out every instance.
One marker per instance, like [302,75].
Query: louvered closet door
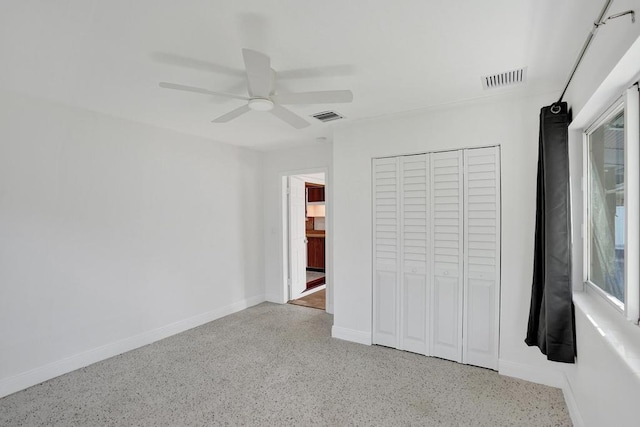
[446,261]
[386,251]
[414,197]
[482,256]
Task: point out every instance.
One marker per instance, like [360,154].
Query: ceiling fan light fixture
[261,104]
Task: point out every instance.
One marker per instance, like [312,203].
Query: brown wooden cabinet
[315,194]
[315,253]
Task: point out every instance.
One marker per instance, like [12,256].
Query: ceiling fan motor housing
[261,104]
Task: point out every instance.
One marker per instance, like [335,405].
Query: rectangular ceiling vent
[508,78]
[328,116]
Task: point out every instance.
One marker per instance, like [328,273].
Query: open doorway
[305,217]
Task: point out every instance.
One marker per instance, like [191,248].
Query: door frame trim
[284,234]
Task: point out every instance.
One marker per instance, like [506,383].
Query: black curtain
[551,317]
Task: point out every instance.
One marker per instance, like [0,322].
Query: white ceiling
[110,55]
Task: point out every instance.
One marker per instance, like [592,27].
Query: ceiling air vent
[508,78]
[327,116]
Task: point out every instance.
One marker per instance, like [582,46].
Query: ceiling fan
[262,97]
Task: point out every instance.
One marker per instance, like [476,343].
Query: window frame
[628,102]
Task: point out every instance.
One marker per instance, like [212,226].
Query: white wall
[114,234]
[604,385]
[279,163]
[607,48]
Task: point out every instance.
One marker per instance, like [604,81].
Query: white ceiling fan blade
[200,90]
[293,119]
[258,67]
[232,114]
[323,97]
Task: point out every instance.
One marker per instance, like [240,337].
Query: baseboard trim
[60,367]
[275,298]
[329,308]
[534,374]
[549,377]
[572,406]
[352,335]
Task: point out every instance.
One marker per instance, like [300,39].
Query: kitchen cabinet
[315,253]
[315,194]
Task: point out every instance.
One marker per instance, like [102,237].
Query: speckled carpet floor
[276,365]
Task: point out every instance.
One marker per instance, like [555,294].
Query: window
[612,205]
[606,207]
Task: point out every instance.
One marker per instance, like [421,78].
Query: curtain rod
[597,24]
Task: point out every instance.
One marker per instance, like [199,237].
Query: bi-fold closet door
[436,254]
